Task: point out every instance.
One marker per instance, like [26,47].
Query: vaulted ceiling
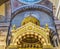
[53,1]
[3,1]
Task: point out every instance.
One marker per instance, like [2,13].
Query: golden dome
[30,18]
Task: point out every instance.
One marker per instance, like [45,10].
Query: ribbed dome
[30,18]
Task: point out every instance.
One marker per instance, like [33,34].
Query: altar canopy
[32,25]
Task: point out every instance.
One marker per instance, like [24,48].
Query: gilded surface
[33,31]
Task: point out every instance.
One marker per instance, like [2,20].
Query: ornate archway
[32,7]
[30,35]
[30,40]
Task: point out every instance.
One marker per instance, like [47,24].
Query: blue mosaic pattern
[29,1]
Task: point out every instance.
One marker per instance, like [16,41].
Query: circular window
[29,1]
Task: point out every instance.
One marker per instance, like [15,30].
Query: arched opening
[30,41]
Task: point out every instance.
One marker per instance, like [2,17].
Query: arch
[32,7]
[41,40]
